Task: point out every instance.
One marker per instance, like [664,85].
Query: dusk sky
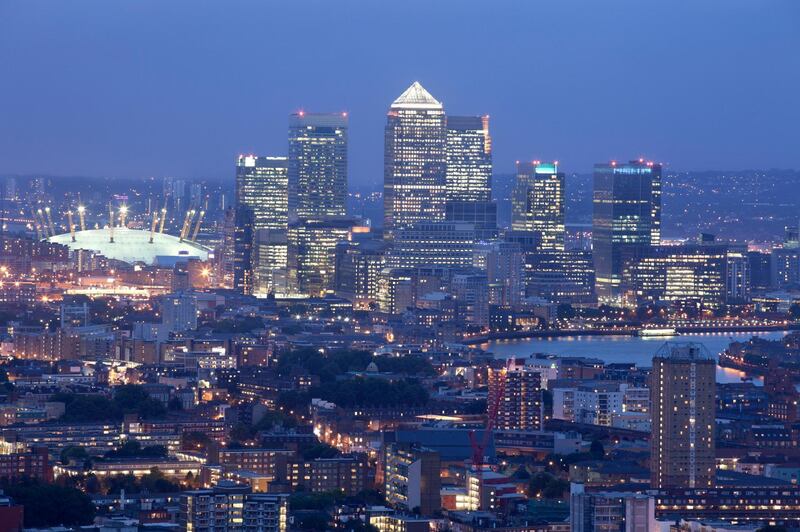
[180,87]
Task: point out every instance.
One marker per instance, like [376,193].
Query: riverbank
[559,333]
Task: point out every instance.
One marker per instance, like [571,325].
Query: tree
[73,452]
[597,450]
[48,505]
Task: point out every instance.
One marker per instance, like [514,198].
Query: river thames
[624,348]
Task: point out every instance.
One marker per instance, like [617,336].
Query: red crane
[479,447]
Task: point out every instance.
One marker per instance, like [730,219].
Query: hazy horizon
[134,89]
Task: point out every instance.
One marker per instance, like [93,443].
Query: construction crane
[153,226]
[111,223]
[71,226]
[82,216]
[479,447]
[50,221]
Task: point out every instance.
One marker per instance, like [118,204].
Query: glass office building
[538,203]
[626,221]
[414,160]
[317,164]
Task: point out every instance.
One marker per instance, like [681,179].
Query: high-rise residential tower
[538,203]
[520,401]
[682,398]
[414,178]
[317,164]
[626,221]
[469,159]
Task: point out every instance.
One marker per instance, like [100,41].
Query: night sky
[180,87]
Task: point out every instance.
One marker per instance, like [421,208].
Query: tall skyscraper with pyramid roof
[415,161]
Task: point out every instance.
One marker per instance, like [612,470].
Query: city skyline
[649,111]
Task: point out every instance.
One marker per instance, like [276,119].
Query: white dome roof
[132,245]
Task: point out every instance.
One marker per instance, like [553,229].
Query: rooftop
[416,97]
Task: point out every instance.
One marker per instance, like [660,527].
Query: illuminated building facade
[520,405]
[626,221]
[682,398]
[469,158]
[537,203]
[312,252]
[503,262]
[262,185]
[359,263]
[317,164]
[561,276]
[412,478]
[433,244]
[705,274]
[261,205]
[414,178]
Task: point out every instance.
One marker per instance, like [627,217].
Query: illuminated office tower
[261,205]
[312,252]
[262,185]
[626,221]
[432,244]
[469,158]
[317,164]
[682,396]
[414,182]
[243,250]
[538,203]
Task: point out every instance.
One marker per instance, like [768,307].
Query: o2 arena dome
[133,245]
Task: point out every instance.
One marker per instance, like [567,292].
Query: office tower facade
[469,159]
[432,244]
[317,164]
[359,263]
[561,276]
[537,203]
[412,478]
[626,221]
[243,249]
[520,397]
[682,397]
[481,214]
[269,260]
[262,184]
[414,179]
[503,263]
[607,511]
[312,252]
[471,289]
[262,192]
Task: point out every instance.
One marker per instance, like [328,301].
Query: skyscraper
[262,185]
[261,205]
[682,395]
[317,164]
[469,158]
[414,179]
[626,220]
[538,203]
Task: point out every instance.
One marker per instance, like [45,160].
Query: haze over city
[150,88]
